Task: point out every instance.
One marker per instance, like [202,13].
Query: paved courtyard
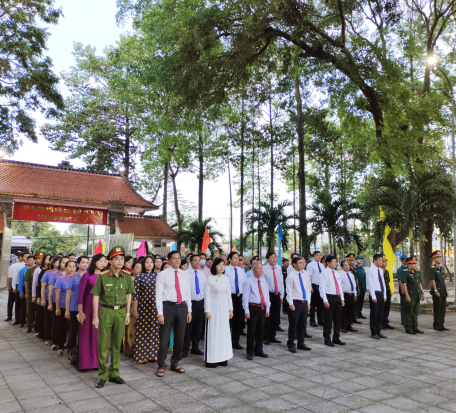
[402,373]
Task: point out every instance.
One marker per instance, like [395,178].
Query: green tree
[192,236]
[27,83]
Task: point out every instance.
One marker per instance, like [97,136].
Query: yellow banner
[388,251]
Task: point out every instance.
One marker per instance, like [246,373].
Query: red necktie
[276,286]
[337,285]
[178,290]
[261,294]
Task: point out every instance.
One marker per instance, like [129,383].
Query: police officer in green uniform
[412,286]
[30,303]
[354,270]
[438,291]
[113,290]
[404,259]
[361,285]
[387,306]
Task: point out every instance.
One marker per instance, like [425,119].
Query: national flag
[280,236]
[98,249]
[234,248]
[388,250]
[141,250]
[206,240]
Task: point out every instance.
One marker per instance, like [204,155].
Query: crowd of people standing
[151,304]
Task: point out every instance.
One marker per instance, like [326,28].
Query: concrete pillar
[6,214]
[115,213]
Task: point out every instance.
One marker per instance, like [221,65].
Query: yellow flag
[388,251]
[103,247]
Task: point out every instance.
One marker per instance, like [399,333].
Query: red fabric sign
[59,213]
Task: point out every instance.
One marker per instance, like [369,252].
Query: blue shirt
[45,279]
[61,284]
[251,293]
[73,285]
[399,272]
[52,280]
[20,280]
[361,276]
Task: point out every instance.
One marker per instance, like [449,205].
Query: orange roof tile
[50,182]
[146,227]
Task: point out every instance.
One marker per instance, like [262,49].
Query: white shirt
[166,288]
[251,293]
[13,272]
[289,269]
[201,281]
[230,273]
[346,286]
[373,283]
[268,275]
[315,268]
[294,290]
[327,285]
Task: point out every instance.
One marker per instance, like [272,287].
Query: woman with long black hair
[46,302]
[36,295]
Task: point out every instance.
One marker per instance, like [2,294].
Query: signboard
[59,213]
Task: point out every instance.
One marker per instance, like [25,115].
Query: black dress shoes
[184,355]
[16,323]
[375,337]
[237,346]
[100,384]
[117,380]
[343,330]
[352,330]
[29,330]
[411,332]
[329,343]
[445,329]
[292,349]
[340,343]
[388,327]
[361,316]
[357,322]
[197,351]
[243,333]
[313,324]
[249,356]
[382,336]
[280,329]
[261,354]
[223,363]
[274,340]
[419,331]
[8,319]
[307,335]
[266,342]
[303,347]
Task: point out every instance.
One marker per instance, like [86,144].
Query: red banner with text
[59,213]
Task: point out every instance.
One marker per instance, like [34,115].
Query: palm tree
[328,216]
[192,236]
[266,219]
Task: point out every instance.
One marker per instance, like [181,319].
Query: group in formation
[152,305]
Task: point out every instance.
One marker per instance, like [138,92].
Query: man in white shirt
[193,330]
[298,293]
[315,268]
[174,309]
[207,267]
[256,304]
[290,267]
[13,274]
[350,296]
[272,273]
[237,277]
[333,300]
[375,283]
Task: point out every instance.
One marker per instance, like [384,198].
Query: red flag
[98,249]
[234,248]
[206,240]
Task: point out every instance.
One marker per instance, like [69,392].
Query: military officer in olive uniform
[387,306]
[438,291]
[412,287]
[113,290]
[354,270]
[30,301]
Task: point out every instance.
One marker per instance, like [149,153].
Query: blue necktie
[197,284]
[302,288]
[318,267]
[349,279]
[380,280]
[236,281]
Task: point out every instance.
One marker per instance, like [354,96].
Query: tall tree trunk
[294,199]
[334,246]
[301,170]
[259,206]
[201,178]
[272,150]
[253,197]
[173,175]
[127,148]
[425,254]
[231,207]
[165,191]
[412,247]
[241,247]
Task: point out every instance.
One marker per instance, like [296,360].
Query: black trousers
[255,329]
[285,302]
[332,314]
[347,310]
[73,330]
[360,301]
[316,303]
[47,323]
[54,330]
[237,322]
[17,308]
[386,309]
[11,301]
[195,327]
[62,329]
[272,322]
[376,313]
[22,309]
[39,320]
[297,322]
[175,318]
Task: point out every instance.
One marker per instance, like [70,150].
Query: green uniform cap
[117,250]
